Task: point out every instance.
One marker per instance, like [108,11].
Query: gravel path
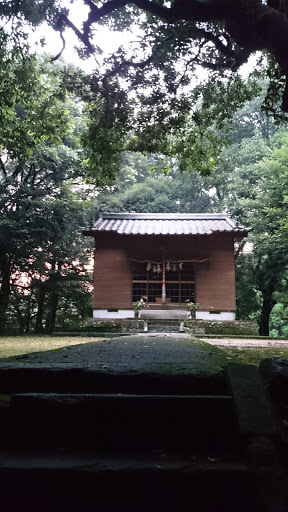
[161,353]
[246,342]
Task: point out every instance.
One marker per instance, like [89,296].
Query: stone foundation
[148,323]
[236,328]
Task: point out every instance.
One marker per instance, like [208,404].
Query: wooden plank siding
[215,281]
[112,280]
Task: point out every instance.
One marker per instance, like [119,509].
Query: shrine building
[169,258]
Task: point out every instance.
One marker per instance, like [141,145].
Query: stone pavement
[163,400]
[151,353]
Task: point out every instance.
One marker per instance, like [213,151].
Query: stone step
[29,379]
[136,450]
[162,481]
[159,324]
[162,325]
[152,421]
[167,315]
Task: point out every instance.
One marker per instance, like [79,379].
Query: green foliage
[167,124]
[32,11]
[31,111]
[279,317]
[143,98]
[104,139]
[192,307]
[248,296]
[250,120]
[83,327]
[141,186]
[42,252]
[238,328]
[41,247]
[146,95]
[273,99]
[255,192]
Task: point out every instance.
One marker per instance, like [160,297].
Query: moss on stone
[237,328]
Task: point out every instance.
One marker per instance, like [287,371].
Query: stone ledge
[254,412]
[237,327]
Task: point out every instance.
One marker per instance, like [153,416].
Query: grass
[252,355]
[19,345]
[11,346]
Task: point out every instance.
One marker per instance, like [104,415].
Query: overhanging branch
[63,47]
[129,63]
[96,13]
[250,24]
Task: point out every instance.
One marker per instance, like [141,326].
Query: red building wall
[112,279]
[215,280]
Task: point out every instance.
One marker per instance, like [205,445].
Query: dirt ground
[247,342]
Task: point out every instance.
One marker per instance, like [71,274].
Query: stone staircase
[161,325]
[164,320]
[84,440]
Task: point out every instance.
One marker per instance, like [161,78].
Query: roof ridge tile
[168,224]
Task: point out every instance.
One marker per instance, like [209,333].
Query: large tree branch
[236,57]
[209,10]
[209,36]
[251,24]
[128,63]
[194,10]
[62,49]
[3,168]
[140,64]
[64,20]
[96,13]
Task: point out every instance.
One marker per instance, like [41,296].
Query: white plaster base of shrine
[222,316]
[104,314]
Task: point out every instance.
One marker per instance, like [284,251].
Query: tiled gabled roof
[167,224]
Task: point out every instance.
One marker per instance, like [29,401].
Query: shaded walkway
[152,353]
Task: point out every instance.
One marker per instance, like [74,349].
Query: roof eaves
[164,216]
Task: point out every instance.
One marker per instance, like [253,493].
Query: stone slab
[151,353]
[164,481]
[95,420]
[275,373]
[254,412]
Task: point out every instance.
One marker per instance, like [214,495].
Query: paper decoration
[168,266]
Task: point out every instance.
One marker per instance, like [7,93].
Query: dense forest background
[45,202]
[61,165]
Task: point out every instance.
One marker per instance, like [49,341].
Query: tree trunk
[20,320]
[28,314]
[40,311]
[51,317]
[268,304]
[5,291]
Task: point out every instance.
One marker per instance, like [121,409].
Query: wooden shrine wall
[215,280]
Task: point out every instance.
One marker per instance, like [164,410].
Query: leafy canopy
[252,184]
[146,96]
[40,158]
[30,101]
